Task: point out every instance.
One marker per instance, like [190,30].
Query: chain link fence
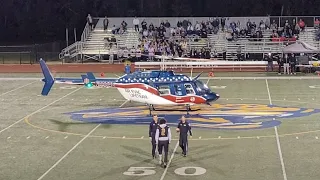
[30,54]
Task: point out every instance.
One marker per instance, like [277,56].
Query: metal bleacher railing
[92,45]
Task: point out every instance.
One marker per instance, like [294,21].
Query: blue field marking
[217,116]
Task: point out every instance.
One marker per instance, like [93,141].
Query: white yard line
[64,156]
[277,138]
[39,110]
[170,160]
[124,103]
[208,81]
[20,87]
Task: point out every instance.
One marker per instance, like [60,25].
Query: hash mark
[238,137]
[142,137]
[312,98]
[297,137]
[219,137]
[123,137]
[104,137]
[258,137]
[9,137]
[47,137]
[317,137]
[66,137]
[200,137]
[71,99]
[28,137]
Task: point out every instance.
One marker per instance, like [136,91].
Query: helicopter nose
[212,97]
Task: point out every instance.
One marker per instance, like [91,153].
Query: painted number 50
[140,171]
[145,171]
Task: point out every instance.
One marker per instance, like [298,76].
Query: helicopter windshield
[201,87]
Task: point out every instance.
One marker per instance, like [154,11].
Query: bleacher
[93,44]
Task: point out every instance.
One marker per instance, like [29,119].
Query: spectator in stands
[144,25]
[90,22]
[293,63]
[267,23]
[239,53]
[138,53]
[133,53]
[316,23]
[105,23]
[262,25]
[302,25]
[115,30]
[224,54]
[249,25]
[223,23]
[190,29]
[280,63]
[136,24]
[274,25]
[318,34]
[167,24]
[151,51]
[286,65]
[215,24]
[185,23]
[124,26]
[267,57]
[197,28]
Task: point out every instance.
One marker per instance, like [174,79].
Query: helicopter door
[189,89]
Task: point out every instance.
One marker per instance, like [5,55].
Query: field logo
[217,116]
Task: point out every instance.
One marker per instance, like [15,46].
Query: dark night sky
[45,20]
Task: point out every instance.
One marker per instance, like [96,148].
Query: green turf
[33,145]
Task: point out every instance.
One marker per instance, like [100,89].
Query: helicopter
[156,87]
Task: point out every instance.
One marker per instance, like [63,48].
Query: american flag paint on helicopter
[150,87]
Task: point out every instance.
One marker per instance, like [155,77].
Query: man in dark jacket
[154,124]
[184,128]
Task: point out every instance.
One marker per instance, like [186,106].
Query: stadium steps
[128,39]
[309,36]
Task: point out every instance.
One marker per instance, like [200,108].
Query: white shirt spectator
[145,33]
[136,21]
[198,27]
[190,28]
[125,53]
[173,31]
[133,52]
[151,51]
[89,18]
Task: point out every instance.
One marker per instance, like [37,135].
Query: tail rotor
[48,78]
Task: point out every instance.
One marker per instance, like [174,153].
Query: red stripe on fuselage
[144,87]
[185,99]
[176,99]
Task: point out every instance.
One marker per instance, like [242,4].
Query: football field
[260,129]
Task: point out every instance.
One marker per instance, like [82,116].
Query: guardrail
[213,65]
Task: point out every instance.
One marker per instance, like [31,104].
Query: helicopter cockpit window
[178,90]
[201,87]
[164,90]
[189,89]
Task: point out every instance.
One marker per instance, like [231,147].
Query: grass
[32,146]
